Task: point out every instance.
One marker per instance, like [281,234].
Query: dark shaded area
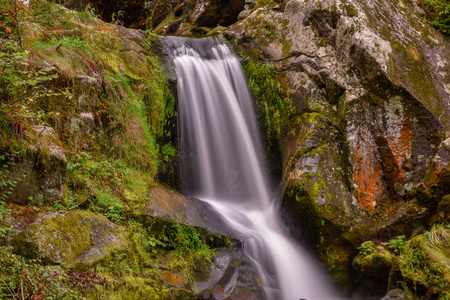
[127,13]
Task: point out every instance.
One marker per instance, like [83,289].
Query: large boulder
[76,239]
[166,205]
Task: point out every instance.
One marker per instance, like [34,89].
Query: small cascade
[221,163]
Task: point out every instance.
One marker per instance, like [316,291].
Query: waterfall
[221,163]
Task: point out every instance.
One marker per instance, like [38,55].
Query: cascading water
[220,160]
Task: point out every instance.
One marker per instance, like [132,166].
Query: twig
[21,284]
[11,291]
[18,25]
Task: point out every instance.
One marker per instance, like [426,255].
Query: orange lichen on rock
[367,179]
[401,148]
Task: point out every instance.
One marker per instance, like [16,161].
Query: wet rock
[207,278]
[173,280]
[244,14]
[76,239]
[315,187]
[171,206]
[395,294]
[226,284]
[40,173]
[438,180]
[443,209]
[331,59]
[87,92]
[134,35]
[206,13]
[232,276]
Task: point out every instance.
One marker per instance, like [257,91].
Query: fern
[438,14]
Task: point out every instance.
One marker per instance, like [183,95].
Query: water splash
[221,163]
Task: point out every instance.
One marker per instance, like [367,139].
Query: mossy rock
[316,187]
[375,265]
[76,239]
[166,206]
[426,262]
[40,171]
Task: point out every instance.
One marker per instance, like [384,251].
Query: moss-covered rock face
[40,171]
[374,266]
[426,263]
[76,239]
[316,166]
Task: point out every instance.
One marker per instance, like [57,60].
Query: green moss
[374,265]
[273,108]
[52,15]
[129,287]
[426,261]
[351,10]
[68,238]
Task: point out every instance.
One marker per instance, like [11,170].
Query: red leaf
[8,30]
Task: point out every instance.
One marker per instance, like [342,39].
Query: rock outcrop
[40,171]
[170,206]
[370,84]
[192,17]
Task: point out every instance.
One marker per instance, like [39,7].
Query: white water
[221,163]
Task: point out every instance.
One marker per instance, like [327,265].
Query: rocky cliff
[365,157]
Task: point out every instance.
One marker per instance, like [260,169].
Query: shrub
[437,12]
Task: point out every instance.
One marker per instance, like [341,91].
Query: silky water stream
[221,163]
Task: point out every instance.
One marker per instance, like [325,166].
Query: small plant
[397,244]
[168,152]
[366,248]
[115,17]
[74,42]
